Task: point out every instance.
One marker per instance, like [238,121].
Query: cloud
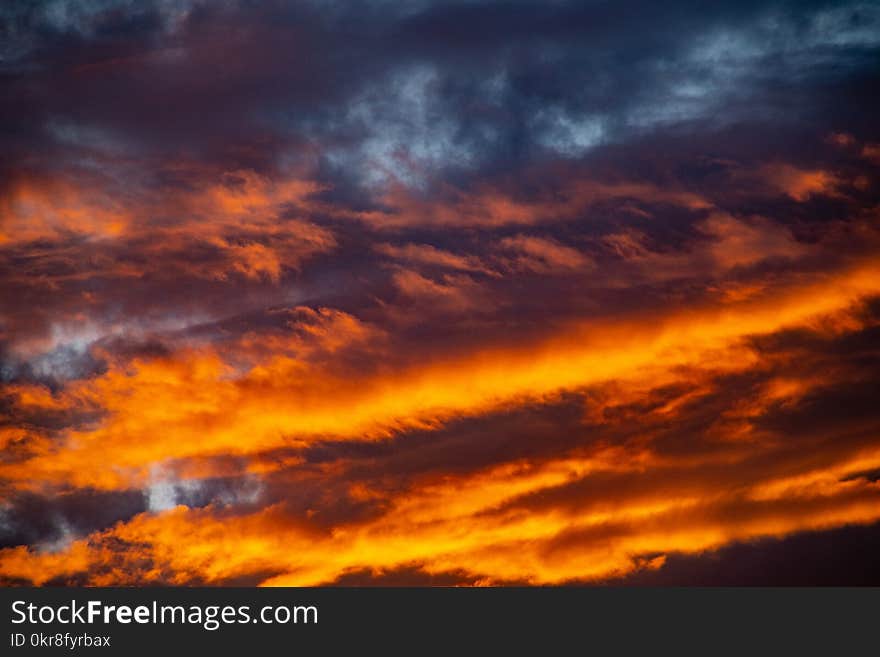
[743,243]
[800,184]
[455,293]
[544,255]
[203,407]
[321,292]
[428,255]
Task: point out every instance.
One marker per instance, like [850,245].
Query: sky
[439,292]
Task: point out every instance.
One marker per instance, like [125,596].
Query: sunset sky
[438,293]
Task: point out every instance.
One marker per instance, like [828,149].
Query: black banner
[413,620]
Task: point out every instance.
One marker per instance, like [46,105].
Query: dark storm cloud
[29,519]
[450,86]
[838,557]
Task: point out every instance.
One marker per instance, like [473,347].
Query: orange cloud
[455,293]
[740,243]
[544,255]
[500,524]
[492,207]
[196,403]
[35,209]
[871,152]
[426,254]
[241,217]
[800,184]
